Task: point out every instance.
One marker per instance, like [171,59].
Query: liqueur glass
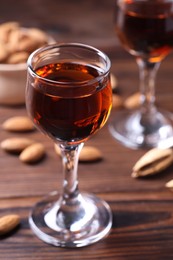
[145,30]
[69,98]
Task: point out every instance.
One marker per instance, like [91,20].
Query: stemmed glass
[68,96]
[145,29]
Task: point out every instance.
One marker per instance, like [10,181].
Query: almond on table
[8,223]
[16,144]
[152,162]
[18,124]
[114,81]
[33,153]
[132,101]
[87,154]
[117,101]
[90,154]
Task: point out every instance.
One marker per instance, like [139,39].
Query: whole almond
[3,52]
[13,40]
[33,153]
[6,29]
[114,81]
[87,154]
[8,223]
[17,57]
[16,144]
[132,101]
[27,44]
[117,101]
[18,42]
[18,124]
[32,39]
[38,36]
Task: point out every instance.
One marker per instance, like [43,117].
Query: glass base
[136,131]
[93,226]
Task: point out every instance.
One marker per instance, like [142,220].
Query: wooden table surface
[142,208]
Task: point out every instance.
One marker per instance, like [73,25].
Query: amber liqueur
[70,105]
[146,29]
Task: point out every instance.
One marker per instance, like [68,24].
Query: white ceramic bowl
[12,83]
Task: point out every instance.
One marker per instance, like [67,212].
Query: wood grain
[142,208]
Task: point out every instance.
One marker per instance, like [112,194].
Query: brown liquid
[146,29]
[69,113]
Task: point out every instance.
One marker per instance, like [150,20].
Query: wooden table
[142,208]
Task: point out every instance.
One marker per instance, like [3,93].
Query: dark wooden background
[142,208]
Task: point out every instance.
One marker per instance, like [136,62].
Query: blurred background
[67,20]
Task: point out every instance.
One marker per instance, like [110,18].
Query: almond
[38,36]
[18,57]
[3,52]
[16,42]
[152,162]
[8,223]
[6,29]
[32,39]
[16,144]
[87,154]
[169,185]
[133,101]
[27,44]
[13,40]
[114,81]
[18,124]
[33,153]
[117,101]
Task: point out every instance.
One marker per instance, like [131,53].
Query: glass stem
[70,158]
[72,204]
[147,76]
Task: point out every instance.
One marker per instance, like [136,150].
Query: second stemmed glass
[69,98]
[145,29]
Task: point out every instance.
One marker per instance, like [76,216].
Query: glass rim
[77,45]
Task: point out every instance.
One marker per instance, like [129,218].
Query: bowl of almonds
[16,44]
